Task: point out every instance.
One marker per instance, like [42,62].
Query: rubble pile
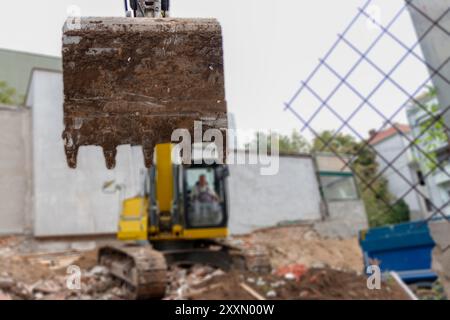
[333,271]
[426,291]
[301,244]
[94,283]
[203,283]
[188,283]
[46,276]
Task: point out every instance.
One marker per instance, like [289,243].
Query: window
[420,177]
[204,201]
[193,175]
[338,186]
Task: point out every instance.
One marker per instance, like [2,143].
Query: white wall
[67,201]
[390,148]
[70,202]
[15,175]
[438,181]
[346,219]
[260,201]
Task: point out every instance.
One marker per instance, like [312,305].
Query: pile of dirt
[87,260]
[316,284]
[301,244]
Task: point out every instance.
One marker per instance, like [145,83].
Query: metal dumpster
[404,248]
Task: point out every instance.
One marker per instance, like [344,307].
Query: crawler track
[141,267]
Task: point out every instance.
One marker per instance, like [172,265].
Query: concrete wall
[66,201]
[390,148]
[436,45]
[15,176]
[260,201]
[345,219]
[70,202]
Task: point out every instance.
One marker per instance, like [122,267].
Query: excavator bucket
[131,81]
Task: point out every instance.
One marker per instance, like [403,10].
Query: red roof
[384,134]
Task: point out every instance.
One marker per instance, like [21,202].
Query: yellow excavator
[179,218]
[134,81]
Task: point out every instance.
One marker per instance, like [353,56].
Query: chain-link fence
[371,102]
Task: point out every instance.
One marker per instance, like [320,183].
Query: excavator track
[245,256]
[219,253]
[251,259]
[142,268]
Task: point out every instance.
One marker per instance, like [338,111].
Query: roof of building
[16,67]
[382,135]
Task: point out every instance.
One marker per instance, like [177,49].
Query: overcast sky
[269,50]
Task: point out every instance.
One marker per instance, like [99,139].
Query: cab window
[204,203]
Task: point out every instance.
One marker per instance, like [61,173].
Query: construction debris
[426,291]
[255,294]
[30,276]
[292,272]
[302,245]
[315,284]
[4,296]
[134,81]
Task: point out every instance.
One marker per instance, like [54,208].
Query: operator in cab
[205,203]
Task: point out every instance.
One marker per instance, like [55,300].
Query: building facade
[430,141]
[16,68]
[397,165]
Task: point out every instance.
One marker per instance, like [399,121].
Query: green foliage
[8,95]
[401,211]
[293,144]
[434,132]
[329,142]
[381,206]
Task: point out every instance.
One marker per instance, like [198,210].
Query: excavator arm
[151,9]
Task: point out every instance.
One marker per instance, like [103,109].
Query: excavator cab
[180,202]
[205,197]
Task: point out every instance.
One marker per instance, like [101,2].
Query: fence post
[436,49]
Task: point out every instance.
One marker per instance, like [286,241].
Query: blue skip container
[405,248]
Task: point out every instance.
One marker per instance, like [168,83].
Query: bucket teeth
[71,148]
[71,156]
[148,147]
[125,78]
[110,153]
[148,156]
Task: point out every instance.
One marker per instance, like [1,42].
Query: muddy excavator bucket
[134,81]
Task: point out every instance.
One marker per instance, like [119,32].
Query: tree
[293,144]
[381,206]
[329,141]
[8,95]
